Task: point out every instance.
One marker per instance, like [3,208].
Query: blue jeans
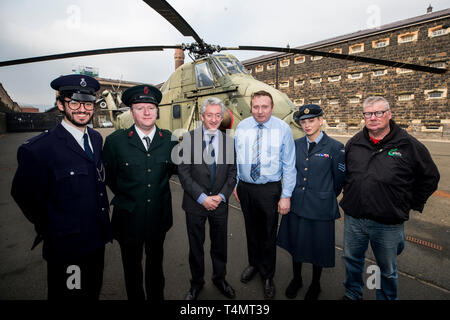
[387,242]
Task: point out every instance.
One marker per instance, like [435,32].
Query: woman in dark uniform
[307,231]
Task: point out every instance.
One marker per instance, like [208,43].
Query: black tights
[297,267]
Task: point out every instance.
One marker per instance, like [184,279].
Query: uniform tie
[87,148]
[212,167]
[147,141]
[311,146]
[255,169]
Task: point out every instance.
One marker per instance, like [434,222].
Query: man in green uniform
[138,167]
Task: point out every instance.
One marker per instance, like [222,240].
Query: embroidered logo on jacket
[394,153]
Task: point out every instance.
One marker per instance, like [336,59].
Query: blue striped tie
[255,170]
[87,148]
[212,167]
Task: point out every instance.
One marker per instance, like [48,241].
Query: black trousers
[218,224]
[259,203]
[132,252]
[79,279]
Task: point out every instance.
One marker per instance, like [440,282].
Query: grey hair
[212,101]
[374,99]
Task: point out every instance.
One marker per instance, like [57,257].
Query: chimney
[179,58]
[430,9]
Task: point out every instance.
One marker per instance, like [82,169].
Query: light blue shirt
[277,153]
[316,141]
[215,143]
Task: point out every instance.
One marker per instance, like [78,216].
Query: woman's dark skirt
[307,240]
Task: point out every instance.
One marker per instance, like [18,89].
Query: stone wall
[340,86]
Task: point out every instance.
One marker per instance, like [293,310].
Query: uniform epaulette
[36,138]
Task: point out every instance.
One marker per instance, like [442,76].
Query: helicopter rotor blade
[87,53]
[341,56]
[175,19]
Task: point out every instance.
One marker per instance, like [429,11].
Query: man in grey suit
[207,172]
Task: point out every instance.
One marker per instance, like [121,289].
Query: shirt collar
[265,124]
[142,135]
[317,139]
[77,134]
[209,133]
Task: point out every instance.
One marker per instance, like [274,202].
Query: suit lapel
[96,144]
[134,140]
[157,139]
[322,143]
[71,143]
[303,146]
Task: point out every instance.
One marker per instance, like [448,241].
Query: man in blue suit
[60,187]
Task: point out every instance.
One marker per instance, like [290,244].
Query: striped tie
[255,170]
[147,141]
[212,167]
[87,148]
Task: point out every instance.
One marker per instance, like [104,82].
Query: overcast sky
[33,28]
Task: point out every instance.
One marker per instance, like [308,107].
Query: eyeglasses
[75,105]
[377,114]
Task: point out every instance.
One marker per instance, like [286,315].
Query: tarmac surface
[424,268]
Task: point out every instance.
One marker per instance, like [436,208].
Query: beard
[69,116]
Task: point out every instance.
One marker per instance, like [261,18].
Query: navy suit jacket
[320,177]
[62,192]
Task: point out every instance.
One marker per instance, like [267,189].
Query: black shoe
[193,293]
[225,289]
[293,287]
[269,289]
[313,292]
[248,274]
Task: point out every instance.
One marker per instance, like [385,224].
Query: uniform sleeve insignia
[341,167]
[130,134]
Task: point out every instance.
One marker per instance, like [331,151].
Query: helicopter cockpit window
[229,65]
[240,66]
[220,71]
[203,75]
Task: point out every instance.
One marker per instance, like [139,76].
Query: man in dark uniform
[208,181]
[138,167]
[59,186]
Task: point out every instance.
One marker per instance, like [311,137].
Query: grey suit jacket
[194,173]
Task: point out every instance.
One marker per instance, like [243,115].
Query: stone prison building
[419,100]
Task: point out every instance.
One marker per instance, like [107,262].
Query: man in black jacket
[389,173]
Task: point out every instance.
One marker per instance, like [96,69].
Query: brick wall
[339,99]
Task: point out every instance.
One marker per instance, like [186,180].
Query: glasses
[75,105]
[377,114]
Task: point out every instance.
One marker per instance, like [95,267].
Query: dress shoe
[293,287]
[248,274]
[269,289]
[225,289]
[313,292]
[193,293]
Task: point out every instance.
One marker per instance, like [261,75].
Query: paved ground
[424,270]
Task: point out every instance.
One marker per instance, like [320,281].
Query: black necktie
[212,167]
[147,141]
[87,148]
[311,146]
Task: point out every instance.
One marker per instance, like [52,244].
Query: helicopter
[211,73]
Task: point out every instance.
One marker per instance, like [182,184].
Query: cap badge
[306,111]
[83,83]
[145,90]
